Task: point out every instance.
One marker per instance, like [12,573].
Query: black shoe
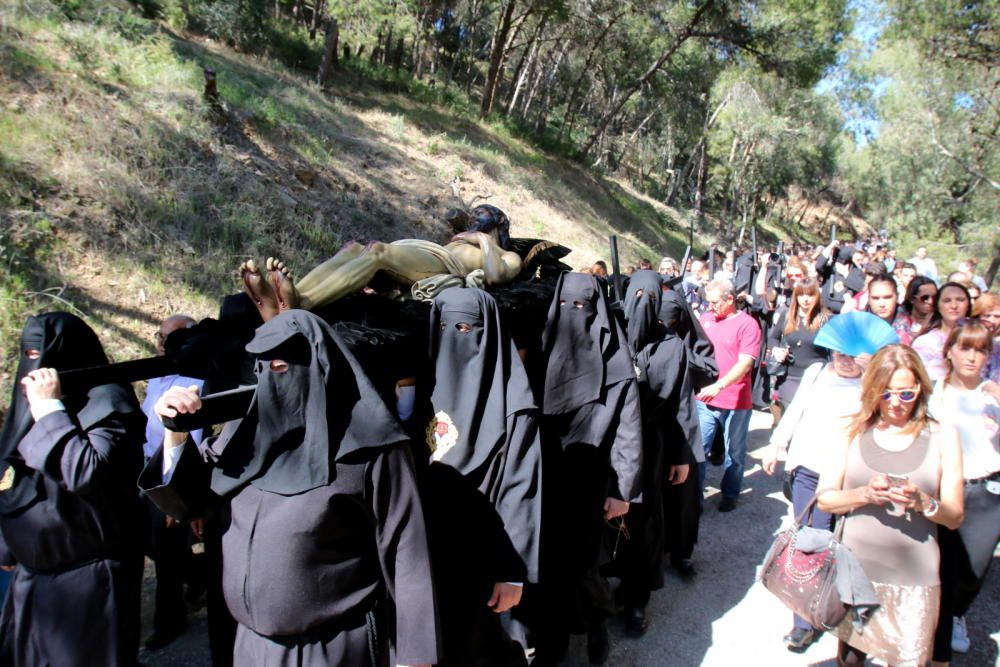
[163,638]
[799,639]
[727,504]
[684,568]
[635,622]
[597,643]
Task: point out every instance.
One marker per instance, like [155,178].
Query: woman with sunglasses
[919,303]
[960,398]
[953,305]
[896,473]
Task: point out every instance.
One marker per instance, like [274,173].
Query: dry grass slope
[125,198]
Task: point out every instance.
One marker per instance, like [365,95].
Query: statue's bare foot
[259,290]
[283,284]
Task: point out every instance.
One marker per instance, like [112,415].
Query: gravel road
[722,617]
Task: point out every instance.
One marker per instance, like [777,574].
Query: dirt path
[722,617]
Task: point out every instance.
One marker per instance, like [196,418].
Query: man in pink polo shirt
[726,403]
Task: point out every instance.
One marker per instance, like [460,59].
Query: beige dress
[898,553]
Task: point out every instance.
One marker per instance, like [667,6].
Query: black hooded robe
[325,556]
[69,512]
[482,487]
[639,563]
[836,287]
[667,368]
[592,449]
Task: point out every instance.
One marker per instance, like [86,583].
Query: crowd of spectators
[936,387]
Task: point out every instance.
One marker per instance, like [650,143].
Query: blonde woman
[898,473]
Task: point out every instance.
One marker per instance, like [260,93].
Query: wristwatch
[932,508]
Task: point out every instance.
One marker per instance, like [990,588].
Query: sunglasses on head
[905,395]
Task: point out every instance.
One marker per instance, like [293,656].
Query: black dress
[804,354]
[325,553]
[69,513]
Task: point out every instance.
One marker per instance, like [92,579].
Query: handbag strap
[840,520]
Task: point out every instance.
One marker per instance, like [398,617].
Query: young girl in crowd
[953,304]
[959,398]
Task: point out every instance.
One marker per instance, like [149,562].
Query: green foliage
[932,173]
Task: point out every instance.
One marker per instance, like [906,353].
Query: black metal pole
[617,276]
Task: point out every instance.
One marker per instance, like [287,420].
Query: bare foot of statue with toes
[282,283]
[258,289]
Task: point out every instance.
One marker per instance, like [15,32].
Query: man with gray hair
[725,405]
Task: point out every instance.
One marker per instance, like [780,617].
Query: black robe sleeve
[81,462]
[187,496]
[626,449]
[518,500]
[824,268]
[402,548]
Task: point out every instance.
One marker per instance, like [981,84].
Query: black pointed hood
[479,378]
[677,318]
[64,342]
[303,419]
[642,309]
[584,347]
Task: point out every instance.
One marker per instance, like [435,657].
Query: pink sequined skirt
[901,631]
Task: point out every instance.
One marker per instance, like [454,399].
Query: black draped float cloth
[318,411]
[584,347]
[479,378]
[642,309]
[676,315]
[64,342]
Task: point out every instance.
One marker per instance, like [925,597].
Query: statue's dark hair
[485,218]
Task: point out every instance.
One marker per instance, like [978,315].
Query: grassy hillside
[125,197]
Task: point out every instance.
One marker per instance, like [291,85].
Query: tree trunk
[637,85]
[496,59]
[570,116]
[397,56]
[543,113]
[329,61]
[991,272]
[635,135]
[521,75]
[319,7]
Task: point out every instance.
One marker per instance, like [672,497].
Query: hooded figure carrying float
[68,504]
[325,557]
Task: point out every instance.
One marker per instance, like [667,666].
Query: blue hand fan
[856,333]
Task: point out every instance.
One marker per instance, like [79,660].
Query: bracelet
[932,509]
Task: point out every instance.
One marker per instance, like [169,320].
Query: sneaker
[960,636]
[799,639]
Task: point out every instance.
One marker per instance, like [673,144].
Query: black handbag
[779,369]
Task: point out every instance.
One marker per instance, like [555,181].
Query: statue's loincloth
[457,275]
